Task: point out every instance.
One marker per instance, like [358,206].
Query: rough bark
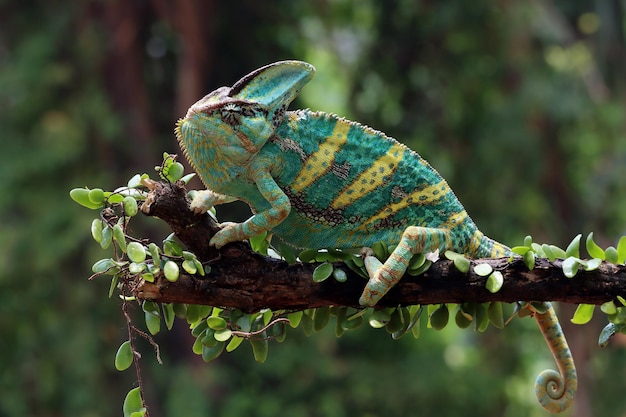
[241,278]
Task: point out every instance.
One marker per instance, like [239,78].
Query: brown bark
[243,279]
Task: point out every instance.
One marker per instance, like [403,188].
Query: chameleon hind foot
[382,278]
[555,391]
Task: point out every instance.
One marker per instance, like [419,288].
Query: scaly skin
[315,180]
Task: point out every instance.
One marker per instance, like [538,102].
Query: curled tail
[555,390]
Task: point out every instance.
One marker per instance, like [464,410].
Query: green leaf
[136,252]
[379,319]
[322,272]
[113,198]
[223,335]
[260,348]
[188,177]
[259,243]
[396,323]
[307,255]
[168,315]
[119,238]
[171,247]
[494,282]
[96,196]
[135,181]
[608,308]
[460,261]
[570,266]
[462,319]
[234,343]
[621,250]
[103,266]
[481,319]
[583,313]
[483,269]
[190,266]
[608,332]
[495,314]
[294,318]
[593,249]
[135,268]
[97,225]
[107,237]
[113,285]
[421,269]
[520,250]
[175,172]
[611,255]
[124,356]
[81,196]
[212,352]
[321,318]
[130,206]
[439,318]
[380,250]
[340,275]
[154,253]
[592,264]
[528,241]
[216,323]
[153,322]
[133,402]
[573,249]
[171,271]
[529,260]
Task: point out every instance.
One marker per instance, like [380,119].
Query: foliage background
[520,106]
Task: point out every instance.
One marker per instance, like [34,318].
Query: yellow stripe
[417,197]
[455,219]
[321,160]
[372,178]
[474,243]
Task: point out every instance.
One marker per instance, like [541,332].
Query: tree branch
[243,279]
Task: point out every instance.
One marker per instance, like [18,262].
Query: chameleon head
[226,128]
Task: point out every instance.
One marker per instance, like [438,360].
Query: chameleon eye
[231,114]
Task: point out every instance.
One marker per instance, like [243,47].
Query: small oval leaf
[583,313]
[573,249]
[322,272]
[494,282]
[593,249]
[124,356]
[439,318]
[483,269]
[171,271]
[136,252]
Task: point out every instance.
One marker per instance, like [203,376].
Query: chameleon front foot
[555,391]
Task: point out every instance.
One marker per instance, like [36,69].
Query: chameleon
[316,180]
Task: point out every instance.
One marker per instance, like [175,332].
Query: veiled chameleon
[316,180]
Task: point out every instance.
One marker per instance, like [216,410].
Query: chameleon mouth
[183,146]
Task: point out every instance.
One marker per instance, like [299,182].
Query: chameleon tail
[555,390]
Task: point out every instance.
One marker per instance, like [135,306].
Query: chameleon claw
[230,232]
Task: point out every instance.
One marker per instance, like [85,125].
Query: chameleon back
[353,186]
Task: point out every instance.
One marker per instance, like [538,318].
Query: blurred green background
[519,105]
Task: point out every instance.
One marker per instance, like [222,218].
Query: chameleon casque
[316,180]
